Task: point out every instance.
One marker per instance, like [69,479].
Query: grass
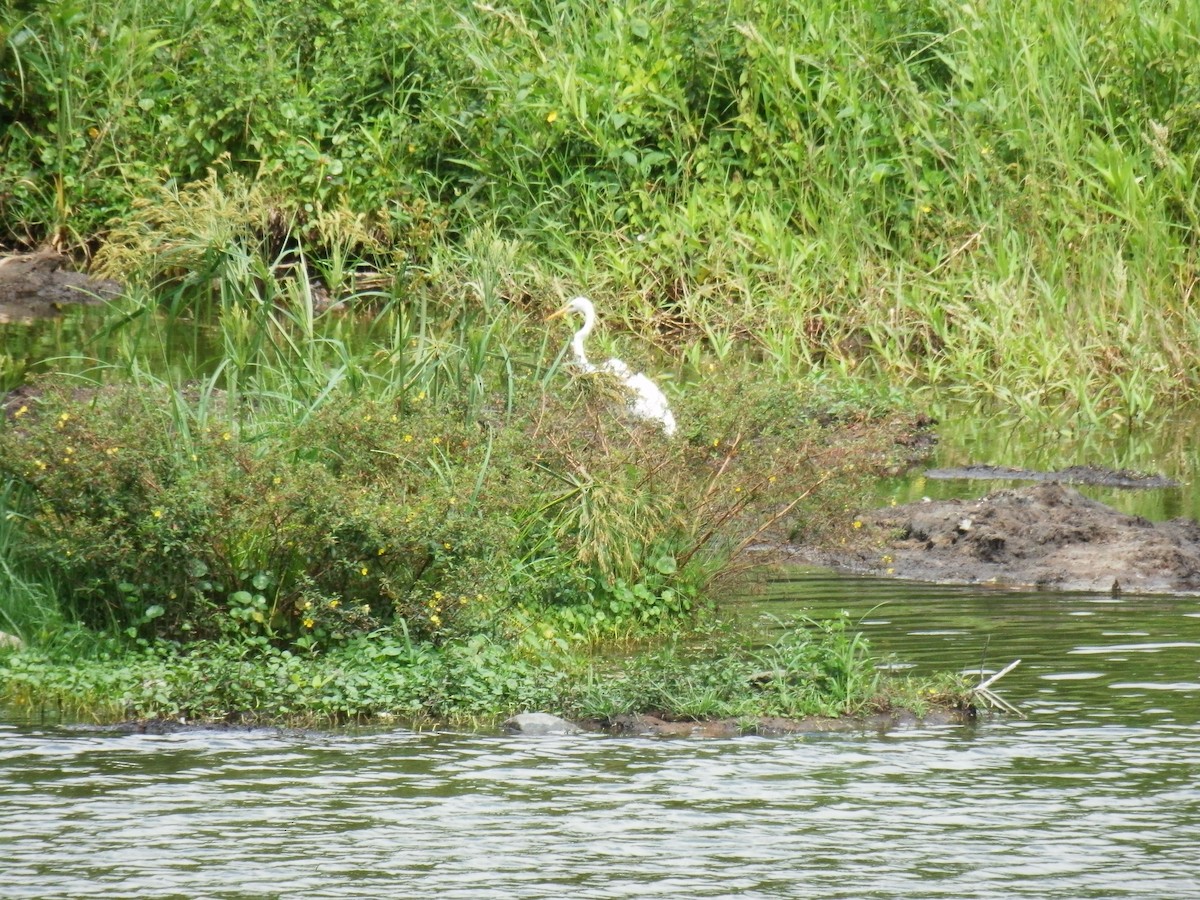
[362,217]
[1001,204]
[476,682]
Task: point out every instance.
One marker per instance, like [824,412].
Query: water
[1093,795]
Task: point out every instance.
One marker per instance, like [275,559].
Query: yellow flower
[551,117]
[382,550]
[437,440]
[364,570]
[438,595]
[334,604]
[226,436]
[276,480]
[308,604]
[857,524]
[111,451]
[435,620]
[446,544]
[408,439]
[20,412]
[157,513]
[308,623]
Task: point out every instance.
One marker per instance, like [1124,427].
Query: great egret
[646,400]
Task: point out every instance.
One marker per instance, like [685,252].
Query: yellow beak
[557,315]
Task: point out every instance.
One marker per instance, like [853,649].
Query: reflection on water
[968,434]
[1094,795]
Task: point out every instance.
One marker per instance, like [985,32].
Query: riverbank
[816,676]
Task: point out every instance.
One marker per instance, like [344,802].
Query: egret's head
[581,305]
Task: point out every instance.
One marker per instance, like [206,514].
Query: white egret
[646,400]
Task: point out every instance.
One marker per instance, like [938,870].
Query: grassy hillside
[1000,199]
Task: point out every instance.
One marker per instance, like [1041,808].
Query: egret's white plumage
[646,400]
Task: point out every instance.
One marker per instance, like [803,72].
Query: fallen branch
[984,692]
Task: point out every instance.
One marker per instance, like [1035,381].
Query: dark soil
[1044,536]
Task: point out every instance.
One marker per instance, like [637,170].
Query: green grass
[1000,202]
[813,670]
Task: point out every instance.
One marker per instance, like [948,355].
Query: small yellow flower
[857,523]
[365,609]
[226,436]
[308,623]
[738,489]
[438,595]
[382,550]
[412,148]
[446,544]
[716,442]
[334,604]
[39,464]
[437,440]
[551,117]
[364,571]
[20,412]
[435,620]
[367,417]
[308,604]
[157,513]
[111,451]
[926,208]
[771,479]
[93,132]
[276,480]
[408,439]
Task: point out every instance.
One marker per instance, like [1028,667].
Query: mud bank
[39,285]
[1043,536]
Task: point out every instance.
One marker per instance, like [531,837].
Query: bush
[169,513]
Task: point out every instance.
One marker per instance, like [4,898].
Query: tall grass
[1001,201]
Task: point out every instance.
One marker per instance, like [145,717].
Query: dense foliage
[1001,197]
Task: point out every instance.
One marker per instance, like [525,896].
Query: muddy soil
[39,285]
[1043,536]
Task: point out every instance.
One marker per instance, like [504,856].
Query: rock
[38,285]
[538,724]
[10,642]
[1046,536]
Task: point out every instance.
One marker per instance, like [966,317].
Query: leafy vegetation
[814,670]
[1002,202]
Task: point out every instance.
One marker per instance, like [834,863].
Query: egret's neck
[581,359]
